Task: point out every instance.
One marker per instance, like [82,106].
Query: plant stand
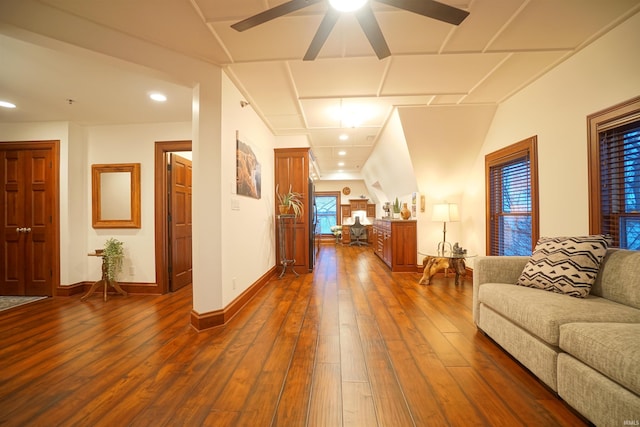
[286,260]
[103,281]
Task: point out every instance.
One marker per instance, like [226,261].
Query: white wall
[555,108]
[389,171]
[248,223]
[357,187]
[127,144]
[75,212]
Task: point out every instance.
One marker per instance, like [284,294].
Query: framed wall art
[248,172]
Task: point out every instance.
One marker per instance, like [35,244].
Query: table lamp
[445,212]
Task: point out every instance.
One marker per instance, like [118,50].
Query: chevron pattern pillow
[566,265]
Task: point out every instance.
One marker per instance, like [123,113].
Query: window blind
[619,150]
[510,207]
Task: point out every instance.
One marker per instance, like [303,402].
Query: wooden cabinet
[371,210]
[358,205]
[346,234]
[291,168]
[345,211]
[382,244]
[396,244]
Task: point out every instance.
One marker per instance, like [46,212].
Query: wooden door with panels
[28,217]
[292,171]
[180,259]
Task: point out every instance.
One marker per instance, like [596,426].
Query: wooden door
[27,188]
[180,241]
[292,170]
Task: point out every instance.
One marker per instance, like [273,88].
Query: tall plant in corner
[113,255]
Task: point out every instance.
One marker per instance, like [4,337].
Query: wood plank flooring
[350,345]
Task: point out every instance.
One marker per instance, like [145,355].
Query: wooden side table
[103,281]
[432,264]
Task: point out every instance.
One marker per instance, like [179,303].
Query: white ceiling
[499,49]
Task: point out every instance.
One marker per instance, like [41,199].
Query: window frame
[525,148]
[335,194]
[610,118]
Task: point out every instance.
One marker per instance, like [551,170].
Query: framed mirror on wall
[116,195]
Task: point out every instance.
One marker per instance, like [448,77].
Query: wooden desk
[346,234]
[103,281]
[432,264]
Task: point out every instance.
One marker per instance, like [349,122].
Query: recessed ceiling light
[352,115]
[347,5]
[343,137]
[7,104]
[341,164]
[158,97]
[342,153]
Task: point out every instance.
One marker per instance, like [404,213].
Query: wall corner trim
[212,319]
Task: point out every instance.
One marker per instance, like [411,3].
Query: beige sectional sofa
[585,349]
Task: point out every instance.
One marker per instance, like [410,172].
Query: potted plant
[113,255]
[396,209]
[337,232]
[290,201]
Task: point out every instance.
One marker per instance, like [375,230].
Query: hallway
[350,345]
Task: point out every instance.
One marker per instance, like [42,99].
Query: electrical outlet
[233,282]
[132,270]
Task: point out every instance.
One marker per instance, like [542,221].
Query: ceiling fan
[364,15]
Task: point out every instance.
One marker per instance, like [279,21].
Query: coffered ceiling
[500,48]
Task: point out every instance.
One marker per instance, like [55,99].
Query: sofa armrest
[495,269]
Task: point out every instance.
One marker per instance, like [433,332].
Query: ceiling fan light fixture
[347,5]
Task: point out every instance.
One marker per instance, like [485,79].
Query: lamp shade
[445,212]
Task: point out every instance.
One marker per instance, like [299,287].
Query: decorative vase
[284,209]
[405,213]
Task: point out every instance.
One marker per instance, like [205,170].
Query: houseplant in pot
[113,255]
[290,201]
[396,208]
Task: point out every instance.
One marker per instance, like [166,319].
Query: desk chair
[357,232]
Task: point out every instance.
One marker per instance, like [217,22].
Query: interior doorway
[179,222]
[172,240]
[29,236]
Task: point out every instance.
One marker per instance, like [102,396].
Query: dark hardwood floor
[350,345]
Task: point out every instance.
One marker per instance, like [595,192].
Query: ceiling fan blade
[327,24]
[430,9]
[372,30]
[273,13]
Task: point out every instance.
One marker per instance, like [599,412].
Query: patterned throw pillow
[566,265]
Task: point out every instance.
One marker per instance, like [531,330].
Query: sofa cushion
[566,265]
[619,277]
[602,401]
[541,313]
[610,348]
